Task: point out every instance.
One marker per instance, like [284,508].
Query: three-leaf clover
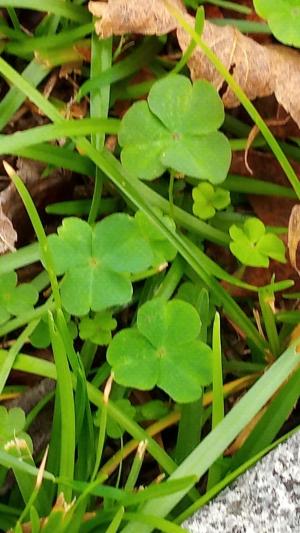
[15,300]
[98,328]
[283,17]
[163,350]
[97,261]
[253,246]
[209,199]
[176,129]
[12,424]
[162,249]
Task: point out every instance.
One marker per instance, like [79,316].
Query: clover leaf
[162,249]
[253,246]
[12,423]
[97,261]
[176,129]
[209,199]
[283,17]
[97,329]
[163,350]
[15,300]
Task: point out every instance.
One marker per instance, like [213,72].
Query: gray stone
[266,499]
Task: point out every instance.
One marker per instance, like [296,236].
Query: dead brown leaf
[294,236]
[8,235]
[148,17]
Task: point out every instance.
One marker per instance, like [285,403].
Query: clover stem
[171,188]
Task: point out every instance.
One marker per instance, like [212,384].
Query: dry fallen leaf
[8,235]
[294,235]
[148,17]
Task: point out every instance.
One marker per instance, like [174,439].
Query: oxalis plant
[125,309]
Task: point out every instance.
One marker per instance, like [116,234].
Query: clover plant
[15,299]
[97,261]
[283,17]
[176,128]
[209,199]
[163,350]
[98,328]
[12,423]
[253,246]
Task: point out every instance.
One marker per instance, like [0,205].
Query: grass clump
[122,299]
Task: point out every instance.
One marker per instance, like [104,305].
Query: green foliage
[192,293]
[162,249]
[15,300]
[253,246]
[97,261]
[163,350]
[283,17]
[12,423]
[176,129]
[153,410]
[209,199]
[98,328]
[113,429]
[40,338]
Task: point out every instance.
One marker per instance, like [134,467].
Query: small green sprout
[252,246]
[176,129]
[98,328]
[97,261]
[283,17]
[209,199]
[12,423]
[15,299]
[163,350]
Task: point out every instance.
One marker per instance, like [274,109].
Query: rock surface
[266,499]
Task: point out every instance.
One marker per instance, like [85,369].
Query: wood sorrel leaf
[253,246]
[283,17]
[97,261]
[163,350]
[12,424]
[209,199]
[15,299]
[176,129]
